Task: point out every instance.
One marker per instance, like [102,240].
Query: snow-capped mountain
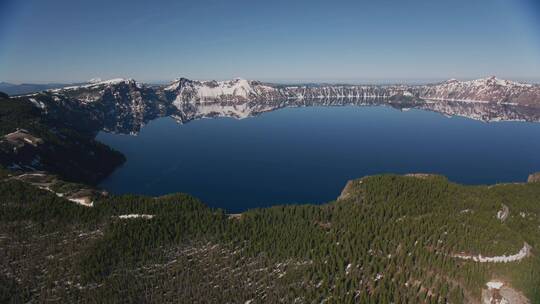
[124,105]
[240,90]
[488,90]
[95,90]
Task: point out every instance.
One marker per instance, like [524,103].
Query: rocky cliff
[125,105]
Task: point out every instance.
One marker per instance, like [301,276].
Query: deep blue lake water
[306,155]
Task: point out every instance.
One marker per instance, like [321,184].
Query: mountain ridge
[489,89]
[124,105]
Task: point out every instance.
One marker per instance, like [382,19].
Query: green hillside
[389,239]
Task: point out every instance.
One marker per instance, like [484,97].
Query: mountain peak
[113,81]
[177,83]
[95,80]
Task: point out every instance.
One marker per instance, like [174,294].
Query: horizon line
[272,80]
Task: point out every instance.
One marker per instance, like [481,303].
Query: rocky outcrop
[77,193]
[352,191]
[503,214]
[498,292]
[21,138]
[346,193]
[534,178]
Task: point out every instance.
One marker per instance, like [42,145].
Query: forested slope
[33,140]
[388,239]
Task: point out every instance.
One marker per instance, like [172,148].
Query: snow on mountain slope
[121,105]
[489,89]
[183,91]
[124,105]
[344,91]
[238,89]
[97,83]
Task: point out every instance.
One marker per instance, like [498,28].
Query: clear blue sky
[341,41]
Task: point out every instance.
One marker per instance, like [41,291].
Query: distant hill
[25,88]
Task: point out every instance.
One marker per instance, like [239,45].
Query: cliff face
[240,90]
[124,105]
[117,105]
[490,90]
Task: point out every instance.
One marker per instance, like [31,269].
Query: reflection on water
[306,154]
[487,112]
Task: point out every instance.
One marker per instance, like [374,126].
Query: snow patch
[235,89]
[348,268]
[37,103]
[523,253]
[81,201]
[94,84]
[135,216]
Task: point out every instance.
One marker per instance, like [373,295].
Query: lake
[307,154]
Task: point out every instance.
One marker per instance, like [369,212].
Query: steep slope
[31,140]
[489,89]
[240,90]
[237,90]
[119,105]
